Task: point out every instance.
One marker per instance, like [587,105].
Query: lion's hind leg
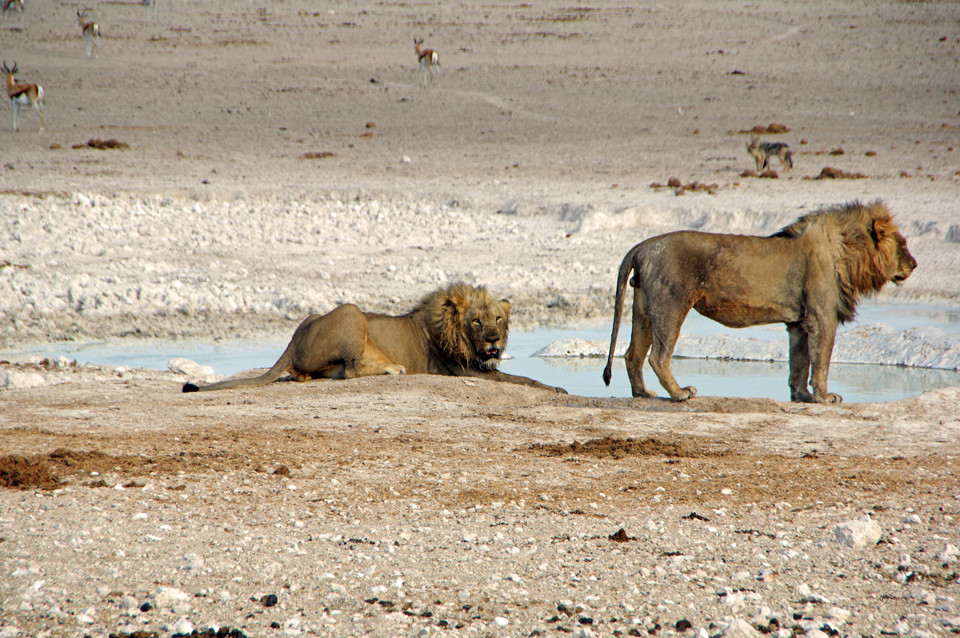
[665,328]
[640,339]
[338,346]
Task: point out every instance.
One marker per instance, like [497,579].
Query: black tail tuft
[190,387]
[607,375]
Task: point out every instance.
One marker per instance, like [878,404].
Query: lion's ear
[456,306]
[505,307]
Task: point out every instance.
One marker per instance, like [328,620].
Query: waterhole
[582,375]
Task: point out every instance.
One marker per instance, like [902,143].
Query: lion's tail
[626,266]
[280,368]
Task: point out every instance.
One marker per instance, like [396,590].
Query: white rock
[192,369]
[55,612]
[501,621]
[807,595]
[949,553]
[182,626]
[166,597]
[952,622]
[740,628]
[860,533]
[15,380]
[9,631]
[839,616]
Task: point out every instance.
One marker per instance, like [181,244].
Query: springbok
[11,5]
[21,94]
[91,32]
[429,63]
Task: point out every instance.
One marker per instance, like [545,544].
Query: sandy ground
[282,158]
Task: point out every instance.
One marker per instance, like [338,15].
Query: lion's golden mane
[442,312]
[867,248]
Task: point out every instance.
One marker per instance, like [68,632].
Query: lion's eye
[476,322]
[499,319]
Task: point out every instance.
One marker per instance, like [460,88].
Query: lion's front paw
[395,369]
[801,396]
[830,397]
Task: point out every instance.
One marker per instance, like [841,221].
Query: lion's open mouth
[490,353]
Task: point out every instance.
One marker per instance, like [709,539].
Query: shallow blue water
[856,383]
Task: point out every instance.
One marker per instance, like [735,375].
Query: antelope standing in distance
[91,32]
[150,6]
[429,63]
[11,5]
[21,94]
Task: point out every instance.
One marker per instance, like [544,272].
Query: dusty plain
[279,158]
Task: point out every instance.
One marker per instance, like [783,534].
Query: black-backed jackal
[763,151]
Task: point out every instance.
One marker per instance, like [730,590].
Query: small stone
[191,369]
[859,534]
[269,600]
[501,621]
[194,561]
[182,626]
[949,553]
[839,616]
[14,380]
[740,628]
[167,597]
[807,595]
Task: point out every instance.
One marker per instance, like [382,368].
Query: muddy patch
[21,473]
[616,448]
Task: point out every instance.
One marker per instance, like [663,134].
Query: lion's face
[905,263]
[486,328]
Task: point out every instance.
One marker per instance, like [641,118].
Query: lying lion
[459,330]
[809,276]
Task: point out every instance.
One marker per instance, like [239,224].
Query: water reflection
[749,379]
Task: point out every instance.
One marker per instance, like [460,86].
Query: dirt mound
[21,473]
[770,129]
[829,172]
[609,447]
[103,145]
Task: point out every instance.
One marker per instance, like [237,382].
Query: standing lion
[459,330]
[810,276]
